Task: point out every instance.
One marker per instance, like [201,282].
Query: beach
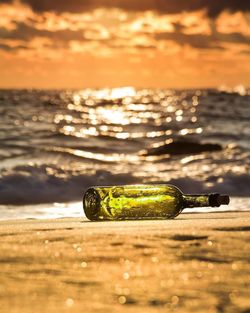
[195,263]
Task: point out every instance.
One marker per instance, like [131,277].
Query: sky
[139,43]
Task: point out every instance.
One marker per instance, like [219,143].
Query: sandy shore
[196,263]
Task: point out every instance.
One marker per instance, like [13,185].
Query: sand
[195,263]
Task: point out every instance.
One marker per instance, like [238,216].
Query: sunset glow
[111,44]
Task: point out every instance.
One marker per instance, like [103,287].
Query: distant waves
[55,144]
[48,184]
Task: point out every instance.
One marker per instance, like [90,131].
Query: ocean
[57,143]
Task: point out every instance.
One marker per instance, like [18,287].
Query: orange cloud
[213,8]
[233,23]
[10,14]
[115,46]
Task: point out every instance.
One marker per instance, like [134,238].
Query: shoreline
[194,263]
[75,210]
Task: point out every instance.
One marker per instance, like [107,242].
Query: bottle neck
[195,201]
[213,200]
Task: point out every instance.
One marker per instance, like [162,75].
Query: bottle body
[156,201]
[133,202]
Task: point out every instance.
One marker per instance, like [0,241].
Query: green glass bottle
[131,202]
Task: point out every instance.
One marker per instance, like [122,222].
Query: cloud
[26,33]
[213,41]
[109,29]
[230,23]
[213,8]
[196,41]
[245,52]
[7,47]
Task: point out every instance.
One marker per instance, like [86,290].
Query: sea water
[57,143]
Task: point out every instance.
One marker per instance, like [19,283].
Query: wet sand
[195,263]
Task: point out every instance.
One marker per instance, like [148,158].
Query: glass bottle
[154,201]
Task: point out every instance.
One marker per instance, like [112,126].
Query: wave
[181,147]
[49,183]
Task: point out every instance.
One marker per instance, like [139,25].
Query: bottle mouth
[91,203]
[216,200]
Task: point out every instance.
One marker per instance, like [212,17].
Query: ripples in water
[55,144]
